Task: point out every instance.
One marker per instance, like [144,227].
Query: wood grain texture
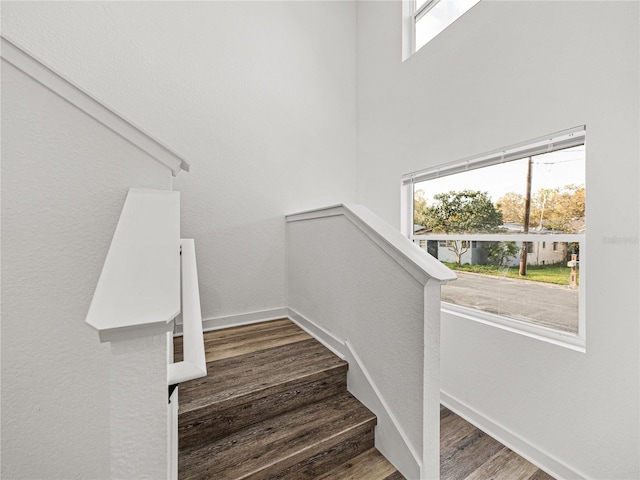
[370,465]
[395,476]
[467,453]
[452,430]
[463,457]
[504,465]
[230,342]
[232,379]
[249,388]
[541,475]
[281,443]
[273,405]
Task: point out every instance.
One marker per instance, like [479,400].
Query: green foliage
[558,273]
[560,209]
[512,207]
[419,208]
[499,252]
[467,211]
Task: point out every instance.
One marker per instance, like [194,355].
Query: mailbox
[573,264]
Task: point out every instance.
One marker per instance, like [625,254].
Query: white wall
[508,72]
[261,98]
[345,283]
[64,181]
[258,96]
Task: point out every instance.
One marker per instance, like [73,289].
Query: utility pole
[527,213]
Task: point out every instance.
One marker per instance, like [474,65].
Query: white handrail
[194,364]
[57,83]
[138,292]
[406,254]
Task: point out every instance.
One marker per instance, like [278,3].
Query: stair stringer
[390,438]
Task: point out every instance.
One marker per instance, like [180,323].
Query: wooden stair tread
[280,444]
[370,465]
[274,405]
[231,379]
[230,342]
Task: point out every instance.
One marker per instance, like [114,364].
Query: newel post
[431,383]
[139,410]
[137,297]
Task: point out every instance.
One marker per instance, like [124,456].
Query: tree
[419,208]
[466,211]
[512,207]
[561,209]
[499,252]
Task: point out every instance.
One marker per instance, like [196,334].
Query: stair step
[249,388]
[370,465]
[301,444]
[233,341]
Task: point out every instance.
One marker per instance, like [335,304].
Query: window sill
[571,341]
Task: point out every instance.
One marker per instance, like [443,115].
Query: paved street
[544,304]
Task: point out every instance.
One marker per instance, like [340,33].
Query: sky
[438,18]
[550,170]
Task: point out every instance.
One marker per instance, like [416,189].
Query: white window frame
[548,143]
[410,16]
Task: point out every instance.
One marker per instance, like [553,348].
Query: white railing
[360,282]
[194,364]
[505,237]
[148,278]
[138,291]
[57,83]
[386,237]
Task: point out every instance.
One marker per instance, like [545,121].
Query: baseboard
[325,337]
[227,321]
[542,460]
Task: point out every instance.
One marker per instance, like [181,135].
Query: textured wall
[504,73]
[258,96]
[340,280]
[64,181]
[139,430]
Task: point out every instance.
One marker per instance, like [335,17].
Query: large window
[425,19]
[511,223]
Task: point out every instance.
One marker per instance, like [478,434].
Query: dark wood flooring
[234,341]
[467,453]
[274,405]
[271,389]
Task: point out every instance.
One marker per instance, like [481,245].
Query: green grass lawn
[557,273]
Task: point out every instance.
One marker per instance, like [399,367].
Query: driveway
[545,304]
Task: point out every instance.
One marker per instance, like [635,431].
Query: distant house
[475,254]
[541,253]
[538,253]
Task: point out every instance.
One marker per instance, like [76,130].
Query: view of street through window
[512,232]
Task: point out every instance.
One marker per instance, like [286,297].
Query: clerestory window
[491,217]
[425,19]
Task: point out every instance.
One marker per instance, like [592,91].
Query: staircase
[274,405]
